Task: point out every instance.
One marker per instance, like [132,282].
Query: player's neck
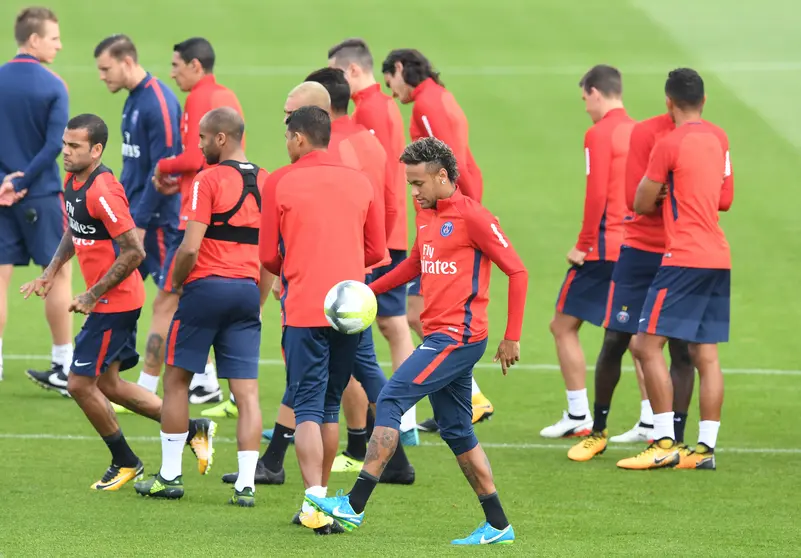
[610,105]
[237,155]
[83,175]
[681,117]
[367,80]
[137,76]
[27,51]
[336,115]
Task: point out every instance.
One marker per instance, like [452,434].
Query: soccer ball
[350,307]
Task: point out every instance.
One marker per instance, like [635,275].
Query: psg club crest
[447,229]
[623,316]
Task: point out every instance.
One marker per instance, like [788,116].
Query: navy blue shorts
[690,304]
[165,277]
[413,287]
[585,291]
[31,230]
[221,313]
[391,303]
[319,363]
[158,242]
[366,370]
[634,272]
[442,369]
[103,339]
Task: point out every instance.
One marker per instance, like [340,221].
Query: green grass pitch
[514,67]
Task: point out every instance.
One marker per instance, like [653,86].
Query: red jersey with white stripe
[205,96]
[453,253]
[437,114]
[98,213]
[379,113]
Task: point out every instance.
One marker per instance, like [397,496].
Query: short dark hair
[118,46]
[94,125]
[196,48]
[606,79]
[416,67]
[352,51]
[31,20]
[225,120]
[685,88]
[434,153]
[333,79]
[312,122]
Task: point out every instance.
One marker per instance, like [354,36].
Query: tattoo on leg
[382,447]
[111,414]
[152,350]
[470,474]
[135,405]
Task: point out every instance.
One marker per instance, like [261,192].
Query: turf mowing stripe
[224,440]
[511,71]
[492,365]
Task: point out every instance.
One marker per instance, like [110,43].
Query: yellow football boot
[116,477]
[662,453]
[701,457]
[589,447]
[482,408]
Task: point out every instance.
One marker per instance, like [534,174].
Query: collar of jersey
[142,83]
[204,81]
[446,203]
[425,84]
[30,57]
[366,92]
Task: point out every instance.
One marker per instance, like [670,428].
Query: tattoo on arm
[64,253]
[153,350]
[131,255]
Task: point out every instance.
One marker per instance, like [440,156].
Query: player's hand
[276,289]
[662,195]
[576,257]
[39,286]
[9,196]
[508,353]
[83,303]
[166,185]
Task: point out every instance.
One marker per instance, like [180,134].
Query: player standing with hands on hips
[457,241]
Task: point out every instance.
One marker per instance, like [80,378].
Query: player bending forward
[100,227]
[457,235]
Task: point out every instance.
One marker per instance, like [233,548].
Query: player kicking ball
[102,234]
[457,241]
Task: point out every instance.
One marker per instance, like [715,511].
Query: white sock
[247,469]
[663,426]
[708,432]
[231,397]
[150,383]
[317,491]
[475,387]
[646,413]
[208,379]
[172,449]
[409,420]
[577,403]
[62,354]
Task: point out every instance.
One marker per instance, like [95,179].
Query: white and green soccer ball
[350,307]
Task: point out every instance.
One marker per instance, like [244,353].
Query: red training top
[205,96]
[606,146]
[379,113]
[106,203]
[693,160]
[644,232]
[455,245]
[217,190]
[437,114]
[319,226]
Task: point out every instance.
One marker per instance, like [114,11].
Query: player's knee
[389,410]
[680,359]
[79,386]
[164,305]
[615,345]
[414,322]
[460,444]
[562,325]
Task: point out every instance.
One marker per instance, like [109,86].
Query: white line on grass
[511,71]
[224,440]
[491,365]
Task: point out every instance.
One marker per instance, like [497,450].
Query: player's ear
[398,68]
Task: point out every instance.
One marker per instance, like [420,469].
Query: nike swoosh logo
[427,348]
[642,320]
[658,460]
[56,381]
[77,200]
[338,513]
[495,538]
[176,440]
[79,363]
[423,226]
[289,436]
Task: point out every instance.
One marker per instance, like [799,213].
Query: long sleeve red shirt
[437,114]
[455,247]
[606,146]
[206,95]
[319,226]
[379,113]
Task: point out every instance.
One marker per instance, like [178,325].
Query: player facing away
[102,234]
[435,113]
[33,113]
[379,113]
[457,242]
[309,261]
[193,71]
[151,121]
[582,297]
[690,174]
[216,261]
[638,263]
